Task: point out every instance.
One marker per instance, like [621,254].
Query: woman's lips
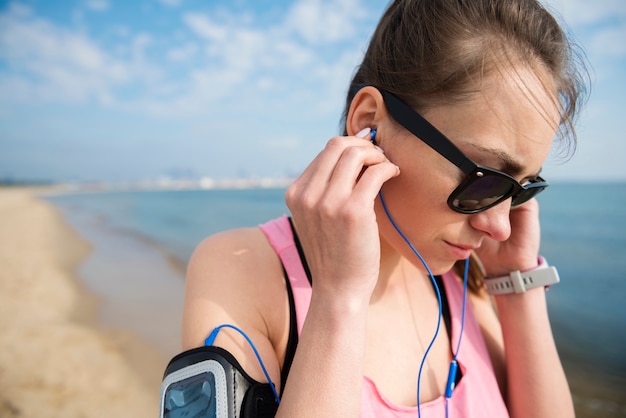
[460,251]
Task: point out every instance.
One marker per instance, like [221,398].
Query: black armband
[208,382]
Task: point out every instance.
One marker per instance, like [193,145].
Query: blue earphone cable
[211,339]
[453,365]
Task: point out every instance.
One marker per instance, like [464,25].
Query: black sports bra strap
[296,240]
[445,306]
[292,341]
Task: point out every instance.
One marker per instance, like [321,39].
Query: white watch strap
[519,282]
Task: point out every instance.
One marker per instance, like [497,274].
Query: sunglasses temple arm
[424,130]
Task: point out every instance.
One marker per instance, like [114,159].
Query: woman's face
[511,122]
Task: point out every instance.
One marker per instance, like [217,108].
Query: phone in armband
[208,382]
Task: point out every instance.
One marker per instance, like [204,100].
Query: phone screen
[194,392]
[191,397]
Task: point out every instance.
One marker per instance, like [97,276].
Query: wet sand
[56,358]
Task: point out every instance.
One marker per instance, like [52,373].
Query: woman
[497,79]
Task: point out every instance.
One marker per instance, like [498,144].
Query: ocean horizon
[156,231]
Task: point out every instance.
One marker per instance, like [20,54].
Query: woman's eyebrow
[509,164]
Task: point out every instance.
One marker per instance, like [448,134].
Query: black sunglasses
[484,187]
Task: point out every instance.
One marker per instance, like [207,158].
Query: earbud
[373,136]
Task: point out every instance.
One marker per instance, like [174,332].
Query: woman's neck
[395,271]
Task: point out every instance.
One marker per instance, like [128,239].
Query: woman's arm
[235,278]
[535,385]
[332,204]
[327,372]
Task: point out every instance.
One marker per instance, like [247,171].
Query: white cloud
[244,55]
[18,9]
[204,27]
[121,30]
[54,62]
[609,42]
[599,26]
[183,52]
[266,84]
[139,44]
[293,54]
[319,21]
[333,79]
[98,5]
[584,12]
[171,3]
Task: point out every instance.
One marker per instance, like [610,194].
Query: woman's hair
[432,52]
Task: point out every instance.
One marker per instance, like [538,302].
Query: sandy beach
[56,360]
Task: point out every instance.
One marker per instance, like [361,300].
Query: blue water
[178,220]
[583,234]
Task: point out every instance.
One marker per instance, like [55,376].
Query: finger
[324,163]
[373,178]
[314,181]
[338,143]
[350,166]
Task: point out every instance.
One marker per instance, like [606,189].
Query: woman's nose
[494,222]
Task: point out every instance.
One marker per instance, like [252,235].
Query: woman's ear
[366,110]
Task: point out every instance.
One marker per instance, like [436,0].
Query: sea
[142,240]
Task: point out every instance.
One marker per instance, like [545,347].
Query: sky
[117,90]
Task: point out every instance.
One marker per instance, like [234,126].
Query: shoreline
[57,359]
[140,284]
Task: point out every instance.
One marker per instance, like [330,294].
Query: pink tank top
[476,395]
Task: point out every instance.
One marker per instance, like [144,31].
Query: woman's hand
[521,249]
[332,204]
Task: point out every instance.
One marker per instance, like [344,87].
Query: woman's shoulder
[235,245]
[237,259]
[232,276]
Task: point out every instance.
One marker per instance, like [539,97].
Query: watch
[521,281]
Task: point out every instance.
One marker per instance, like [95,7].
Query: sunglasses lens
[481,193]
[528,193]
